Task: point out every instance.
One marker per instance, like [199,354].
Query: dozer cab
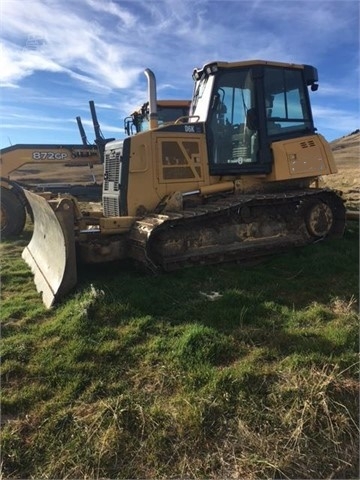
[234,179]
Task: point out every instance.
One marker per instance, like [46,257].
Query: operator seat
[251,119]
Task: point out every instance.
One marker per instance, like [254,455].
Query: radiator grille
[112,183]
[111,207]
[112,170]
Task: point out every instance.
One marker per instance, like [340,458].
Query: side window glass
[286,106]
[294,104]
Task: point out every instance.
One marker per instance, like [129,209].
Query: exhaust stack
[153,116]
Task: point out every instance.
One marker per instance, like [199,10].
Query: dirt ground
[346,151]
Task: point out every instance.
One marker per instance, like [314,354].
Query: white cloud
[18,63]
[33,126]
[105,127]
[336,119]
[65,51]
[344,89]
[67,41]
[106,45]
[111,8]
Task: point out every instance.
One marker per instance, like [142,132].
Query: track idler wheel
[319,219]
[325,216]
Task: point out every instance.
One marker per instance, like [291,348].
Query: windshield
[232,119]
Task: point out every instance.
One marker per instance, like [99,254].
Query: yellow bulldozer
[235,178]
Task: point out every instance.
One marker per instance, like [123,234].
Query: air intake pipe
[153,116]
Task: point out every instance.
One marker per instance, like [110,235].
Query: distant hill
[347,148]
[346,151]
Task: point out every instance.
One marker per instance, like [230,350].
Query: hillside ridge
[352,140]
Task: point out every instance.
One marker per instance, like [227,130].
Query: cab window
[287,109]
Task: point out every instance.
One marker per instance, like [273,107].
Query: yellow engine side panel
[302,157]
[162,164]
[181,160]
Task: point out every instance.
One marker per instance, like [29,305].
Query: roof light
[211,68]
[196,74]
[207,70]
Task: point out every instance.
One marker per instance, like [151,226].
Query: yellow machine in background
[236,178]
[13,202]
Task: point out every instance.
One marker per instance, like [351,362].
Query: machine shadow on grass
[290,304]
[318,273]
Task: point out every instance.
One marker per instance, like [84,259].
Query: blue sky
[59,54]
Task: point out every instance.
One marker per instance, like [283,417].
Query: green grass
[138,376]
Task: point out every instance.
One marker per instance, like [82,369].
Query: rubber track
[145,232]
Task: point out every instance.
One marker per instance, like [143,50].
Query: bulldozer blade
[51,253]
